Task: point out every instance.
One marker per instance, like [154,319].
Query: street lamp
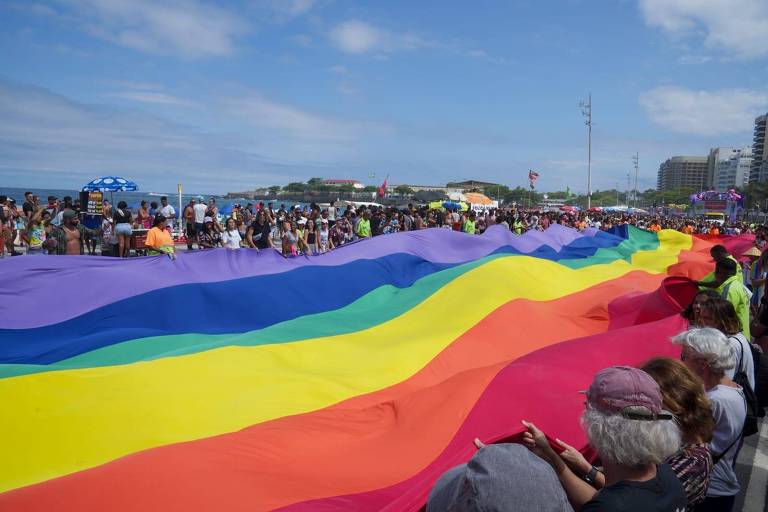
[586,111]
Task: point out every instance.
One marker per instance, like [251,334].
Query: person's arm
[579,492]
[578,464]
[249,238]
[270,242]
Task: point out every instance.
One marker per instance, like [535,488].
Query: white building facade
[731,167]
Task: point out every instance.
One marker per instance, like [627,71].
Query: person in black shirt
[632,435]
[259,234]
[28,208]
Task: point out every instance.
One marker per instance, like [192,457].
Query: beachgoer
[143,217]
[707,353]
[159,240]
[34,236]
[122,220]
[324,242]
[364,226]
[208,237]
[230,237]
[70,235]
[167,211]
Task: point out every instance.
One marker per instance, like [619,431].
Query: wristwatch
[591,475]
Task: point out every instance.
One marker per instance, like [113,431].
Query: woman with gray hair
[632,435]
[707,353]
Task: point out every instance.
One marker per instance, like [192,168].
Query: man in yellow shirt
[364,225]
[469,224]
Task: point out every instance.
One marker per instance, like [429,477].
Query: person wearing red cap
[633,436]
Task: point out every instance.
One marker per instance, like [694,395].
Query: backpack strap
[716,458]
[741,353]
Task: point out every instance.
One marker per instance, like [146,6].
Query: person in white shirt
[167,211]
[231,236]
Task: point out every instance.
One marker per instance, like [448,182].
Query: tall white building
[760,150]
[730,167]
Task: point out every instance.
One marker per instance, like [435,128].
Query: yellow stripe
[56,423]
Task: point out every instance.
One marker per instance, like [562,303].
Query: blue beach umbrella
[111,184]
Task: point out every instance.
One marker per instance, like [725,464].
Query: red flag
[383,188]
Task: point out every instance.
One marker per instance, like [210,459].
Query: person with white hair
[707,353]
[633,436]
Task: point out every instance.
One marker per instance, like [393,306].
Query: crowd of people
[667,434]
[56,227]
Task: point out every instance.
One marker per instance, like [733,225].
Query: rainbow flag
[236,380]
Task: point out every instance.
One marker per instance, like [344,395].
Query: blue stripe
[238,305]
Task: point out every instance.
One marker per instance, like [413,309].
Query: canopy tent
[478,198]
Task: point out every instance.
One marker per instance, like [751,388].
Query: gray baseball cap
[499,478]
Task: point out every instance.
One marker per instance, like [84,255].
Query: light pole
[636,161]
[586,111]
[628,187]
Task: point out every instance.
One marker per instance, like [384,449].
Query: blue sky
[225,96]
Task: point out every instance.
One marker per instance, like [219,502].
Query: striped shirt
[693,467]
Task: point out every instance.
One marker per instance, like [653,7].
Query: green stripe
[378,306]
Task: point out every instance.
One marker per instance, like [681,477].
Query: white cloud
[736,26]
[287,120]
[293,7]
[152,97]
[704,112]
[347,89]
[45,136]
[130,84]
[359,37]
[187,28]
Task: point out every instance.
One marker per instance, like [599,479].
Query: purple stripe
[40,291]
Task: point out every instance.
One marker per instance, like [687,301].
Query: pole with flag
[383,188]
[532,177]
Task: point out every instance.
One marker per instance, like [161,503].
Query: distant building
[683,172]
[338,183]
[471,184]
[729,167]
[421,188]
[759,167]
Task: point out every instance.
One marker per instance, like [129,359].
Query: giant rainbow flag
[236,380]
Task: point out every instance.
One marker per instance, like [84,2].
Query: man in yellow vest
[718,252]
[730,286]
[469,224]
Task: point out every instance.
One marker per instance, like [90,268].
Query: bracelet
[591,475]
